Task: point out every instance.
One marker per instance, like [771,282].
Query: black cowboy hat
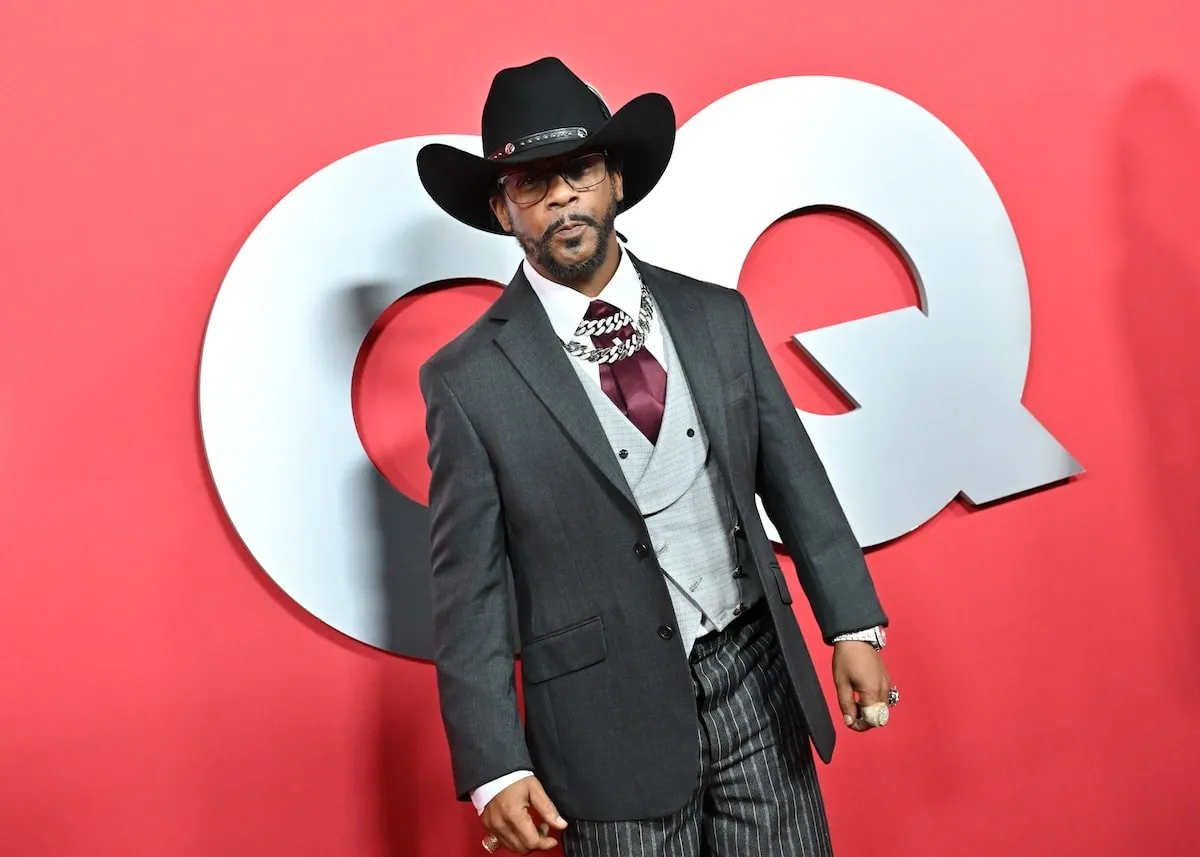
[539,111]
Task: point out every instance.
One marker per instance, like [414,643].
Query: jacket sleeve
[472,637]
[800,500]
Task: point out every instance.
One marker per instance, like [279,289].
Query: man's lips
[570,230]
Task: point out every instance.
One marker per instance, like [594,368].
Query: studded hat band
[542,138]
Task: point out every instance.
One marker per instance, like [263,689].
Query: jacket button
[640,549]
[738,572]
[666,632]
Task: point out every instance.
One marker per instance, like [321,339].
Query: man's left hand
[858,668]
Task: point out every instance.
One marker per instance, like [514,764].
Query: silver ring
[491,844]
[893,696]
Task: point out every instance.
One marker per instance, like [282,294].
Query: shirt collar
[567,307]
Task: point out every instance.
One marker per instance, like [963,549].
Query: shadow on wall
[412,811]
[400,525]
[1157,174]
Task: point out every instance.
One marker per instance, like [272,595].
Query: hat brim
[641,134]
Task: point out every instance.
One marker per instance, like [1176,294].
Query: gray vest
[688,510]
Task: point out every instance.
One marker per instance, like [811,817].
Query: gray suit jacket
[528,499]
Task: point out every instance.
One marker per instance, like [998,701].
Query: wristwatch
[876,636]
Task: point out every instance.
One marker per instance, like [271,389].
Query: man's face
[562,211]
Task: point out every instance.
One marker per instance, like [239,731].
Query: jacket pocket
[781,582]
[737,389]
[562,652]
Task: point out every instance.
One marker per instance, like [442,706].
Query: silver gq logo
[937,389]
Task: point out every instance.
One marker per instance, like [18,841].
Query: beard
[540,248]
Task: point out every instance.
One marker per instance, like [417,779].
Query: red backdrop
[160,697]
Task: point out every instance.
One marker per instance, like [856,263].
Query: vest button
[666,632]
[691,432]
[641,550]
[624,453]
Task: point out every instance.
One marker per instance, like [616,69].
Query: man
[597,440]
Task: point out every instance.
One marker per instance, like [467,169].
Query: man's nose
[560,191]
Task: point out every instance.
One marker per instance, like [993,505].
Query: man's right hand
[507,816]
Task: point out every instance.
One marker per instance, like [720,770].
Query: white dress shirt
[567,307]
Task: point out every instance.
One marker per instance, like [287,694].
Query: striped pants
[758,794]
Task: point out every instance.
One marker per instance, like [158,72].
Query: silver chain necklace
[621,348]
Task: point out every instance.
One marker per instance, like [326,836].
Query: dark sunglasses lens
[583,173]
[527,186]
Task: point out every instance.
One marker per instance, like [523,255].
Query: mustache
[562,220]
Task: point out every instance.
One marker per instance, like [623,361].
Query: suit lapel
[529,342]
[693,336]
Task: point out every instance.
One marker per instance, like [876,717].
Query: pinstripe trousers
[758,794]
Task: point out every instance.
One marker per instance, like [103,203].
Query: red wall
[158,696]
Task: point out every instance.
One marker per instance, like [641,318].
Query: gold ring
[491,843]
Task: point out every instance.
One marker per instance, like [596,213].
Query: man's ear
[500,211]
[618,180]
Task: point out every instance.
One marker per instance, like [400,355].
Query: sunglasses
[527,186]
